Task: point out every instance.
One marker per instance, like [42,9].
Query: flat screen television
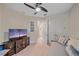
[17,33]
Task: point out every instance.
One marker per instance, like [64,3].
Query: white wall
[1,34]
[12,19]
[74,21]
[58,25]
[61,24]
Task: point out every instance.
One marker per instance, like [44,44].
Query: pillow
[74,42]
[71,41]
[66,41]
[61,40]
[76,45]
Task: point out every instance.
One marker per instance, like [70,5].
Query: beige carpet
[57,49]
[39,49]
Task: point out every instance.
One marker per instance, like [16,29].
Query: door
[42,30]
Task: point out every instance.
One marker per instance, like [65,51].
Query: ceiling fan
[37,8]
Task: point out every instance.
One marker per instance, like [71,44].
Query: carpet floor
[41,49]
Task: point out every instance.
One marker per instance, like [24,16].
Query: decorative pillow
[66,41]
[71,41]
[61,40]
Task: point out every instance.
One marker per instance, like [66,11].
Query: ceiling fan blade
[29,6]
[37,4]
[43,9]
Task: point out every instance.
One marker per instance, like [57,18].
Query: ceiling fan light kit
[38,9]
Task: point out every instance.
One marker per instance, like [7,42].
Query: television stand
[16,44]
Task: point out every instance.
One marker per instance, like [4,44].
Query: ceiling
[53,8]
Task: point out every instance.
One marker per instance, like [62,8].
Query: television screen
[17,32]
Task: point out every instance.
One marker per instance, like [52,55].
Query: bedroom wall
[74,21]
[1,34]
[58,25]
[13,19]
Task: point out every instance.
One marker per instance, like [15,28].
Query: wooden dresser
[16,45]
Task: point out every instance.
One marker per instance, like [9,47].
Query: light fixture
[38,9]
